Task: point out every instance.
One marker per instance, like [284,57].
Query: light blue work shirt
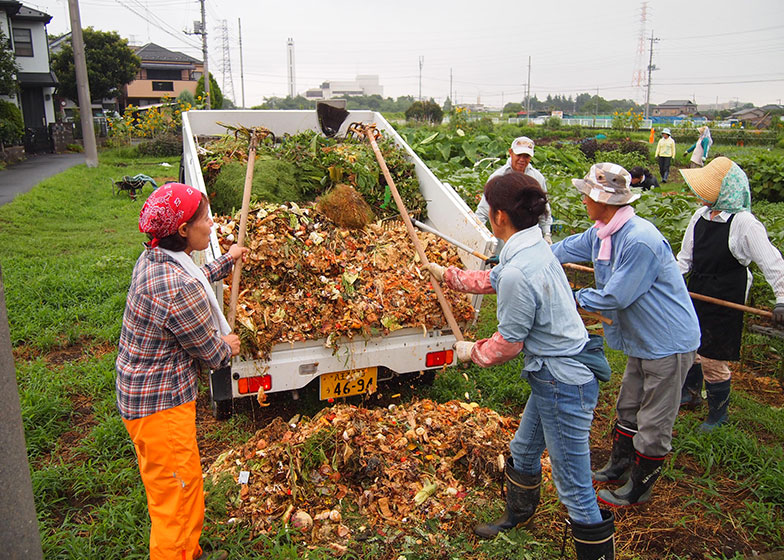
[640,288]
[535,306]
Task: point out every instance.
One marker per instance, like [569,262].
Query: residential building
[26,30]
[163,73]
[754,117]
[364,84]
[674,108]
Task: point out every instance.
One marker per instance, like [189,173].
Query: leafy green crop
[766,175]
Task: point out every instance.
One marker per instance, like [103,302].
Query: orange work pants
[169,463]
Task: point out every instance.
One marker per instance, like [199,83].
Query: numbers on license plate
[349,387]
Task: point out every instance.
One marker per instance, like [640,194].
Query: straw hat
[706,181]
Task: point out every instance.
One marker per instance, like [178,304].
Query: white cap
[523,145]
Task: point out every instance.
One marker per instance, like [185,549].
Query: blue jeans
[558,417]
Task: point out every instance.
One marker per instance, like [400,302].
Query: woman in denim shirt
[536,309]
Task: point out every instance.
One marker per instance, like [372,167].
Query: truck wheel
[221,410]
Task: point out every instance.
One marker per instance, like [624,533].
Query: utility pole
[651,68]
[200,28]
[19,529]
[207,80]
[83,86]
[451,94]
[528,94]
[421,62]
[242,72]
[596,107]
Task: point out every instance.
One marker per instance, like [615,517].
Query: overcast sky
[708,50]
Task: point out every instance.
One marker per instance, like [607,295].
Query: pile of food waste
[380,467]
[307,278]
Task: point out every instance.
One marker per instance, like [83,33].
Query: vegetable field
[402,474]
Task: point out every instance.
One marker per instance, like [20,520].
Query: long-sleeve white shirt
[545,221]
[748,242]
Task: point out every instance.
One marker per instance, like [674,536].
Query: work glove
[492,261]
[436,270]
[778,314]
[464,350]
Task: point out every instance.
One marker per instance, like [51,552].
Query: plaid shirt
[166,328]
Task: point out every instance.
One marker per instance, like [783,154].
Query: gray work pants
[649,399]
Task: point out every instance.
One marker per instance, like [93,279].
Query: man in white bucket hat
[639,287]
[520,154]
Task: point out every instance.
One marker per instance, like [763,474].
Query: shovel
[256,135]
[371,132]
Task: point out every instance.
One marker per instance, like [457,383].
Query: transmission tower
[639,72]
[228,80]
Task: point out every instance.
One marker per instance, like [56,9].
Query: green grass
[67,249]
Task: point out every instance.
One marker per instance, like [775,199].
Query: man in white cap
[519,161]
[639,286]
[665,151]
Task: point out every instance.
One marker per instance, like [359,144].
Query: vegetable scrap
[386,466]
[306,278]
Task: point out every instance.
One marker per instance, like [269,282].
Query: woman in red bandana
[172,321]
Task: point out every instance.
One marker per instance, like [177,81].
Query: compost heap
[390,466]
[306,278]
[305,166]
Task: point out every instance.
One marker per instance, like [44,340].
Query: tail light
[247,385]
[440,358]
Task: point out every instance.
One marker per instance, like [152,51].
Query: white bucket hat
[607,183]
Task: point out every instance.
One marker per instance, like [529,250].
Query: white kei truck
[359,364]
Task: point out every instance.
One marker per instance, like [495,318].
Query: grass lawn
[67,249]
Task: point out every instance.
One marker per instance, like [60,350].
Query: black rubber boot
[718,401]
[645,472]
[691,392]
[597,541]
[621,456]
[522,497]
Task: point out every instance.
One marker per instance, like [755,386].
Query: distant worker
[721,240]
[700,147]
[643,179]
[520,155]
[665,151]
[639,287]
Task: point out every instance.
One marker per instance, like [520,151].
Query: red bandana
[167,208]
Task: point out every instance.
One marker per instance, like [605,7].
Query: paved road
[23,176]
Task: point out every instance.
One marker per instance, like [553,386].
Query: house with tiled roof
[163,73]
[674,108]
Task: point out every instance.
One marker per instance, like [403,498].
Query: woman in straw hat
[699,150]
[172,321]
[721,240]
[639,287]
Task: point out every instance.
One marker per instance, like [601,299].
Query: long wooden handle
[694,295]
[732,305]
[445,307]
[235,281]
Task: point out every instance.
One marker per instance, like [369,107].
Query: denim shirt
[640,288]
[535,306]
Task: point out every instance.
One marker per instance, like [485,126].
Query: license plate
[347,383]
